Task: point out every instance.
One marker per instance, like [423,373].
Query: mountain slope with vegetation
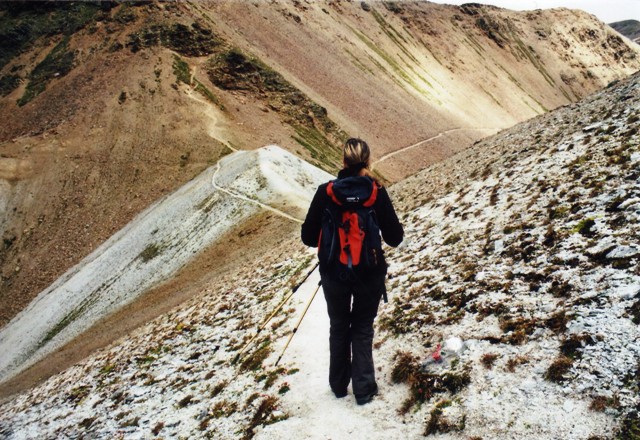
[107,107]
[530,259]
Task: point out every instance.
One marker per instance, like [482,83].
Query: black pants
[351,332]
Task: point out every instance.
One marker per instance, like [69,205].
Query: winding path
[424,141]
[247,199]
[211,132]
[214,127]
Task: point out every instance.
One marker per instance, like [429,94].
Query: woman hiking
[345,220]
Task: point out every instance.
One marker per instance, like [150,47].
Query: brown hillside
[102,118]
[401,72]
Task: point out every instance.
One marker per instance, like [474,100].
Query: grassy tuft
[558,370]
[488,359]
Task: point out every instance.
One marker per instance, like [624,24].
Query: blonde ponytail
[356,151]
[357,155]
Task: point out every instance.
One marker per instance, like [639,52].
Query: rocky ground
[534,263]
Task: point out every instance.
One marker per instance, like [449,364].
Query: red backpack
[350,236]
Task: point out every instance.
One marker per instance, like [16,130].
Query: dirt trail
[215,129]
[439,135]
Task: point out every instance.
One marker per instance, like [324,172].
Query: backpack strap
[372,199]
[331,194]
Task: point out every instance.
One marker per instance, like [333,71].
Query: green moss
[473,43]
[517,329]
[284,388]
[218,388]
[190,41]
[232,69]
[630,427]
[566,94]
[491,96]
[107,369]
[223,409]
[405,317]
[584,227]
[271,377]
[87,422]
[405,365]
[8,83]
[559,212]
[437,423]
[72,316]
[57,63]
[393,35]
[181,70]
[125,14]
[530,54]
[263,416]
[254,361]
[402,74]
[356,62]
[22,23]
[424,385]
[185,401]
[324,153]
[77,394]
[208,94]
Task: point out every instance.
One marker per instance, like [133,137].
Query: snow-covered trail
[249,200]
[424,141]
[215,131]
[314,412]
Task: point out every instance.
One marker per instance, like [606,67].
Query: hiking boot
[340,393]
[366,398]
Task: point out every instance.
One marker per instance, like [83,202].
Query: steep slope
[628,28]
[531,259]
[156,245]
[401,72]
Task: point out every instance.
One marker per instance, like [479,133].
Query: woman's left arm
[390,226]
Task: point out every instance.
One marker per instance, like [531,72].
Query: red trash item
[436,354]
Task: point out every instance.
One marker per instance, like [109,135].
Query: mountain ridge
[628,28]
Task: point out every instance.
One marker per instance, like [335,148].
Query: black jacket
[390,227]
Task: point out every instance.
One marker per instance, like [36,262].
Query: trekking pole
[266,321]
[299,322]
